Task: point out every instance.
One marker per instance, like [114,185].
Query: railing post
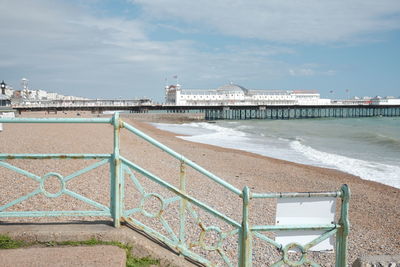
[245,239]
[341,240]
[115,188]
[182,205]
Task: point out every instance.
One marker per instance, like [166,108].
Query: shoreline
[374,208]
[179,135]
[151,128]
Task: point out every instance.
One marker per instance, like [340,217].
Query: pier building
[233,94]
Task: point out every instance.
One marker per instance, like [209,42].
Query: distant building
[233,94]
[389,100]
[4,101]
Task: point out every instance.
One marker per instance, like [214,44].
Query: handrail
[120,166]
[295,227]
[181,194]
[182,158]
[56,120]
[293,195]
[54,156]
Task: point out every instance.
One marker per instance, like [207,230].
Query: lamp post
[3,87]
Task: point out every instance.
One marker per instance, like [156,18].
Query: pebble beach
[374,207]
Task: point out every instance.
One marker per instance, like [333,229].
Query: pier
[217,112]
[300,112]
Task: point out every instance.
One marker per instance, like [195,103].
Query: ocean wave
[244,127]
[217,129]
[289,147]
[388,140]
[378,139]
[378,172]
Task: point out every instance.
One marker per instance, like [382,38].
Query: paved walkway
[109,256]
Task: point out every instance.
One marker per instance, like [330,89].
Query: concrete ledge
[142,246]
[96,256]
[378,261]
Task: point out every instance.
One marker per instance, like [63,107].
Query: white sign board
[299,211]
[6,115]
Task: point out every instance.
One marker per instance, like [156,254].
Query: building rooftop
[231,87]
[4,97]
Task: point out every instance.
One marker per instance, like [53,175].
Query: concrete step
[94,256]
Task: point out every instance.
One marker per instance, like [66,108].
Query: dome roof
[231,87]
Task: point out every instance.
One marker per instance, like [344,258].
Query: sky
[133,48]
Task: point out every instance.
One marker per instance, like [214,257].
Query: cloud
[294,21]
[310,69]
[62,47]
[301,72]
[65,47]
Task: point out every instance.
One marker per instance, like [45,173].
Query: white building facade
[233,94]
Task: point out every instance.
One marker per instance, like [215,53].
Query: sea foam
[268,141]
[378,172]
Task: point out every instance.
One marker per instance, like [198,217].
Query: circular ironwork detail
[59,178]
[292,246]
[154,214]
[203,234]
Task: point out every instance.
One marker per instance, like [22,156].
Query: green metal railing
[120,168]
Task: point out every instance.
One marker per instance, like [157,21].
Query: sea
[365,147]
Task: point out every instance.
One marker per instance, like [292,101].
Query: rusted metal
[341,242]
[115,197]
[293,227]
[54,156]
[56,120]
[245,239]
[182,204]
[293,195]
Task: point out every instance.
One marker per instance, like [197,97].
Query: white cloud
[62,47]
[67,48]
[301,72]
[310,69]
[304,21]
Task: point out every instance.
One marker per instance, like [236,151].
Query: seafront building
[4,99]
[27,95]
[233,94]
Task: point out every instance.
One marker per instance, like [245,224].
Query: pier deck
[239,112]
